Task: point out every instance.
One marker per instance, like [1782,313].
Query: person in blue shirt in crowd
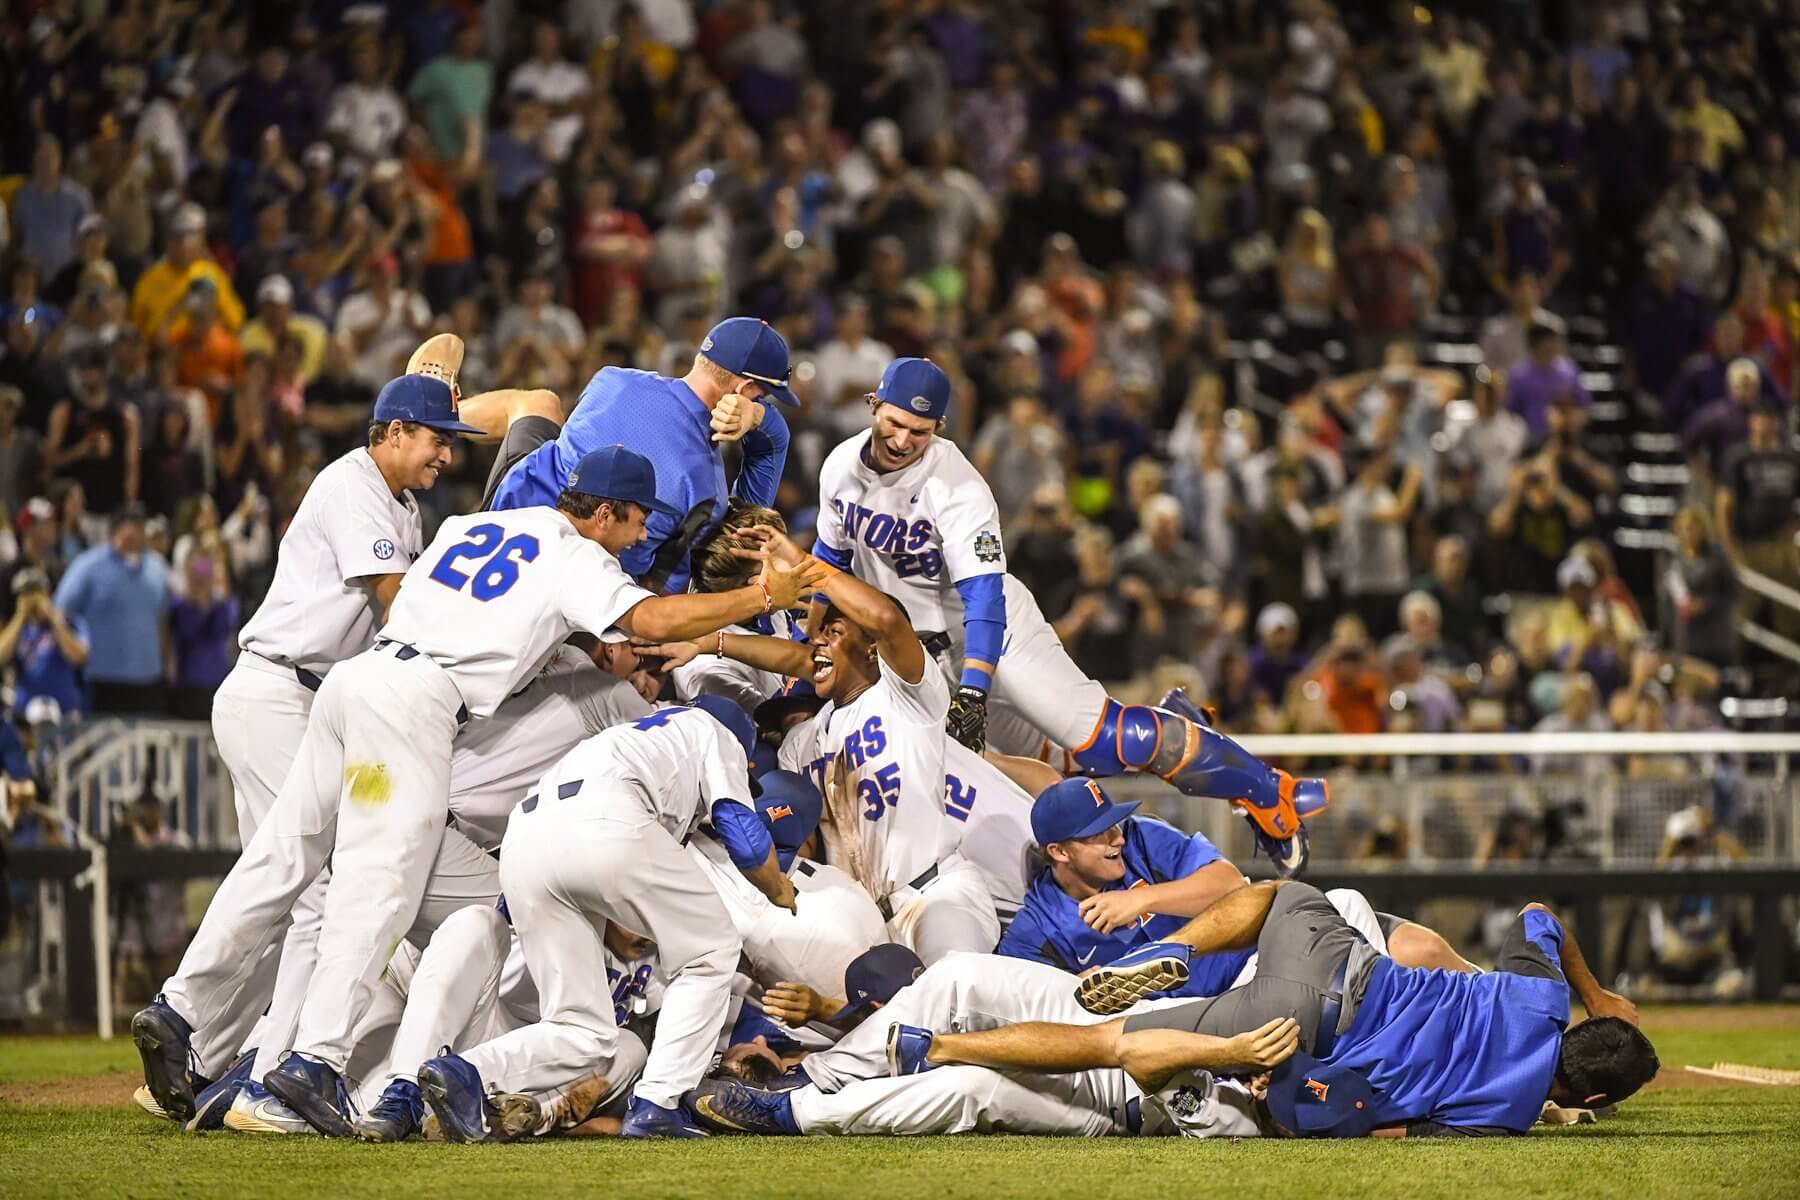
[678,424]
[1376,1046]
[120,591]
[1115,882]
[46,648]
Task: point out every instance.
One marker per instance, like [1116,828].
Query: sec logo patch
[384,549]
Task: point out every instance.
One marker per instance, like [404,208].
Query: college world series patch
[987,546]
[384,549]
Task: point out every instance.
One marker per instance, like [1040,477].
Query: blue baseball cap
[422,400]
[1314,1099]
[731,715]
[917,385]
[751,348]
[1075,808]
[789,806]
[615,473]
[874,976]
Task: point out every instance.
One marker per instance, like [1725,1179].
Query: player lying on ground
[1381,1046]
[903,509]
[883,737]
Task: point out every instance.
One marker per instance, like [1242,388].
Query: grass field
[68,1128]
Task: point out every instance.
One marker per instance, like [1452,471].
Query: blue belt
[926,876]
[404,651]
[302,676]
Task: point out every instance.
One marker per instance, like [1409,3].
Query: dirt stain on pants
[368,784]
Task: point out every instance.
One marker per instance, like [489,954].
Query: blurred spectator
[1704,379]
[176,473]
[1039,550]
[1386,287]
[94,438]
[1691,937]
[88,268]
[1669,322]
[1421,700]
[611,245]
[1702,248]
[45,212]
[1547,377]
[1371,519]
[1275,660]
[848,367]
[1587,631]
[992,123]
[1175,570]
[1757,505]
[203,621]
[382,323]
[21,452]
[171,279]
[1702,589]
[687,268]
[366,114]
[1724,422]
[152,915]
[1534,526]
[1021,452]
[1577,711]
[1505,338]
[1421,623]
[1353,695]
[1111,618]
[271,250]
[556,82]
[25,366]
[1464,621]
[1211,495]
[276,319]
[120,593]
[537,317]
[452,93]
[1307,272]
[1691,108]
[208,356]
[45,649]
[1765,334]
[36,523]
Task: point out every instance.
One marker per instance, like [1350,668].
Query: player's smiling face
[898,437]
[843,660]
[1096,860]
[422,454]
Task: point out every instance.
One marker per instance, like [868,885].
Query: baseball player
[675,423]
[1382,1045]
[602,840]
[834,920]
[337,570]
[906,511]
[883,736]
[477,615]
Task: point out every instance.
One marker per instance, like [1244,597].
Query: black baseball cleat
[164,1042]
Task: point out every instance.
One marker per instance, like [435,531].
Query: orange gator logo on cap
[1318,1089]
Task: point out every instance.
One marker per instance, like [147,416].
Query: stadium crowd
[226,225]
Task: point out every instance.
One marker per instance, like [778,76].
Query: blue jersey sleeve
[831,554]
[984,627]
[746,838]
[1167,853]
[1027,938]
[765,457]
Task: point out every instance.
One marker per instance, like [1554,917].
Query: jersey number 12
[500,570]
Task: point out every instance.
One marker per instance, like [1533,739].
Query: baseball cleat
[439,356]
[646,1120]
[907,1046]
[733,1107]
[396,1116]
[214,1101]
[465,1111]
[315,1091]
[148,1103]
[1289,854]
[253,1110]
[163,1041]
[1147,970]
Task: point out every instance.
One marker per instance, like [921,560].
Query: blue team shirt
[1049,928]
[664,421]
[1463,1050]
[41,669]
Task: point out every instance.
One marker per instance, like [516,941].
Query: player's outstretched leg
[1200,761]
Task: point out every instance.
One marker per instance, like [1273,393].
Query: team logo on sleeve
[384,549]
[987,546]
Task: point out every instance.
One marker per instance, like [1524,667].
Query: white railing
[104,766]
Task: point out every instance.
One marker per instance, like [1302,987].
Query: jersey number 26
[495,576]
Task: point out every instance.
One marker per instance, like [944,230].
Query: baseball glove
[968,718]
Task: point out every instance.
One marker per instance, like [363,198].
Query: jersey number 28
[495,576]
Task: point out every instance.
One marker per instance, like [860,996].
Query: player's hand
[1107,911]
[786,898]
[1267,1047]
[967,722]
[673,654]
[1611,1004]
[766,540]
[793,1003]
[734,416]
[786,583]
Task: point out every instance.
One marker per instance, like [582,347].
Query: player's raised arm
[879,614]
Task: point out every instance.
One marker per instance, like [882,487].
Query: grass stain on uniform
[369,784]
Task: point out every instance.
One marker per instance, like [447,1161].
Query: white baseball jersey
[682,758]
[892,737]
[495,594]
[915,532]
[498,759]
[994,814]
[349,527]
[740,683]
